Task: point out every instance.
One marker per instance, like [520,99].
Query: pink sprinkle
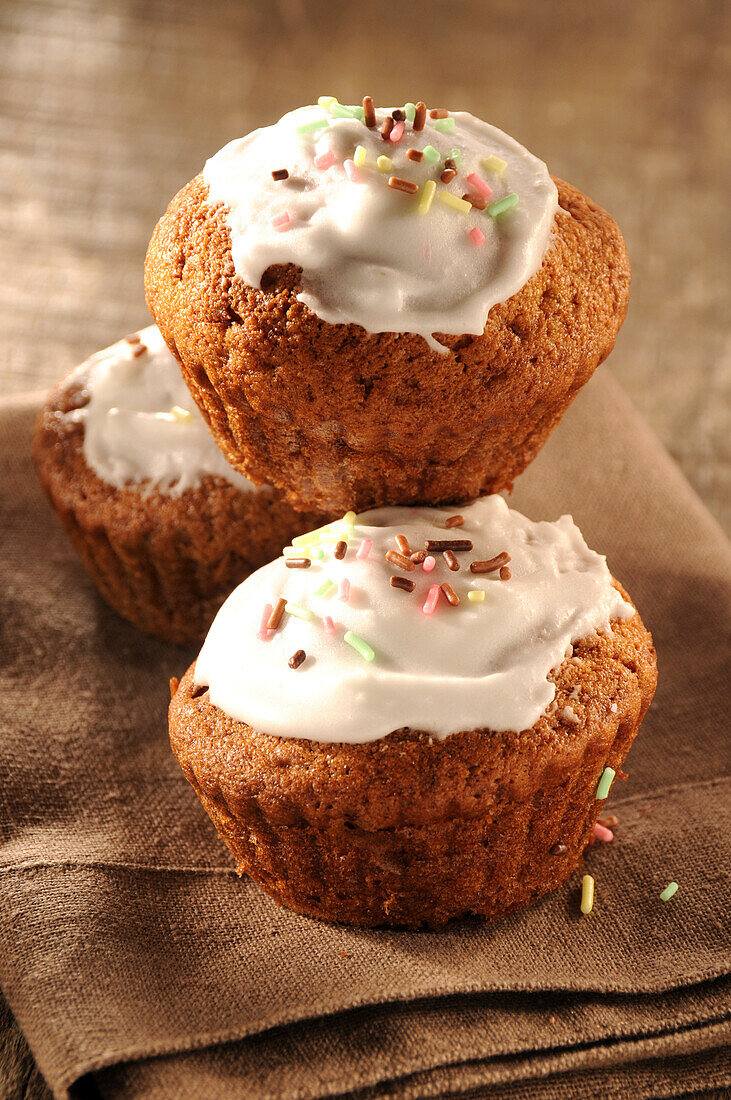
[281,221]
[431,600]
[428,563]
[477,236]
[364,549]
[344,590]
[328,624]
[265,634]
[602,833]
[479,185]
[397,133]
[325,160]
[351,171]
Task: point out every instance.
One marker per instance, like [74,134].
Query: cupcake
[414,728]
[376,306]
[161,521]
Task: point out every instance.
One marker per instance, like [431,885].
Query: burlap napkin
[135,960]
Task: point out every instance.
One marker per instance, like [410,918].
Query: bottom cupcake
[164,525]
[414,728]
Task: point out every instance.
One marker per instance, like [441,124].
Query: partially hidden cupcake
[384,306]
[415,727]
[165,526]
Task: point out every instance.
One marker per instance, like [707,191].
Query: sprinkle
[609,821]
[448,175]
[456,155]
[454,201]
[454,521]
[494,164]
[280,221]
[397,133]
[369,113]
[410,111]
[449,544]
[505,573]
[398,115]
[324,160]
[359,113]
[403,583]
[475,201]
[133,338]
[359,645]
[491,565]
[280,174]
[399,184]
[438,112]
[297,658]
[298,563]
[339,111]
[499,207]
[587,894]
[313,124]
[299,612]
[264,625]
[477,236]
[427,194]
[328,624]
[351,171]
[452,597]
[415,155]
[605,783]
[419,116]
[364,549]
[326,101]
[400,560]
[359,156]
[384,164]
[316,552]
[477,595]
[601,833]
[431,600]
[140,349]
[418,556]
[403,544]
[340,549]
[180,414]
[326,589]
[428,563]
[308,537]
[669,892]
[349,519]
[451,561]
[431,154]
[479,185]
[344,590]
[277,614]
[444,125]
[387,127]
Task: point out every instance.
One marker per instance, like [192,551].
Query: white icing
[478,665]
[131,434]
[367,256]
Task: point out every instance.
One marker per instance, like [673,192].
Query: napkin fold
[138,965]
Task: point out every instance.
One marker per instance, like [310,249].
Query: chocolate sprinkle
[451,595]
[419,116]
[476,200]
[505,573]
[400,560]
[449,544]
[451,561]
[403,185]
[298,563]
[133,338]
[277,613]
[280,174]
[418,556]
[403,544]
[415,154]
[491,565]
[438,112]
[448,175]
[369,111]
[398,115]
[297,658]
[387,127]
[140,349]
[454,521]
[403,583]
[340,549]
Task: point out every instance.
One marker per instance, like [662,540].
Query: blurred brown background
[109,107]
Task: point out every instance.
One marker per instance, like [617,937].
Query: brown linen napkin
[132,954]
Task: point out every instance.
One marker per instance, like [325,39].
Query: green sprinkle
[317,553]
[313,124]
[446,125]
[502,205]
[359,645]
[409,111]
[299,612]
[359,113]
[339,111]
[456,155]
[669,892]
[430,153]
[326,588]
[326,101]
[605,783]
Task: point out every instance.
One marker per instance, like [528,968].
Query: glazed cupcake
[164,525]
[414,728]
[376,306]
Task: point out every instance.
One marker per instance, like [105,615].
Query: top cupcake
[402,220]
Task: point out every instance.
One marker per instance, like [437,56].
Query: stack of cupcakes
[382,314]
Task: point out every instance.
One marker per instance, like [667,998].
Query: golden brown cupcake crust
[341,418]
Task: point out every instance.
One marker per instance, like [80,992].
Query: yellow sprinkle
[359,156]
[384,164]
[477,595]
[587,894]
[326,101]
[334,536]
[309,537]
[427,194]
[494,164]
[295,552]
[349,518]
[454,201]
[181,414]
